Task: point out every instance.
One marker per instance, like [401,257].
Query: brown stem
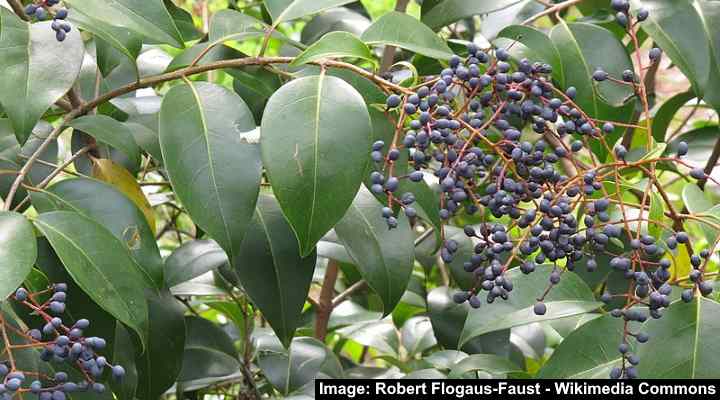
[388,57]
[552,10]
[325,303]
[712,161]
[86,107]
[18,8]
[359,285]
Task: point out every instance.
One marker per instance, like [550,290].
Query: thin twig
[552,10]
[359,285]
[325,303]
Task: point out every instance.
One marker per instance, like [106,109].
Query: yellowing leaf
[115,175]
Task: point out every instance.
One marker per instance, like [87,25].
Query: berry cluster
[57,343]
[465,126]
[45,9]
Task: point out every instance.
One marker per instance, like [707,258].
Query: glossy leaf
[307,359]
[687,31]
[160,364]
[124,355]
[271,270]
[664,116]
[401,30]
[417,335]
[384,256]
[100,264]
[379,334]
[533,44]
[18,251]
[686,333]
[193,259]
[33,80]
[111,132]
[149,18]
[255,85]
[286,10]
[446,12]
[233,25]
[657,213]
[200,128]
[108,206]
[112,43]
[597,341]
[315,137]
[570,297]
[334,45]
[209,351]
[339,19]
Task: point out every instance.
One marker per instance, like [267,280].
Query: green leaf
[448,319]
[110,208]
[184,21]
[701,142]
[695,199]
[18,251]
[384,256]
[218,52]
[570,297]
[193,259]
[112,43]
[271,270]
[686,334]
[657,213]
[255,85]
[111,132]
[583,48]
[286,10]
[401,30]
[533,44]
[687,32]
[483,362]
[209,351]
[334,20]
[149,18]
[446,12]
[315,138]
[33,79]
[101,265]
[664,116]
[379,334]
[123,354]
[307,359]
[594,47]
[160,364]
[233,25]
[417,335]
[200,128]
[597,341]
[334,45]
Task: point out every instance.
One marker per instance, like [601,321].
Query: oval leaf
[108,206]
[286,10]
[149,18]
[384,257]
[687,333]
[100,265]
[271,270]
[570,297]
[33,79]
[440,13]
[314,142]
[401,30]
[209,351]
[597,341]
[18,251]
[193,259]
[335,45]
[214,172]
